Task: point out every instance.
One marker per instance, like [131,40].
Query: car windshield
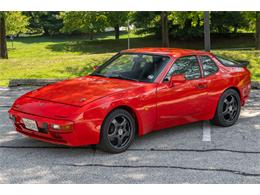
[133,66]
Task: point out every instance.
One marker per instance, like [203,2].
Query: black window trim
[201,64]
[193,55]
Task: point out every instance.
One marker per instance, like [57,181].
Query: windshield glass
[138,67]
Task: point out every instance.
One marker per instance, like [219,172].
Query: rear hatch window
[231,63]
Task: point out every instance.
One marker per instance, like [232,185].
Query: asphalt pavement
[194,153]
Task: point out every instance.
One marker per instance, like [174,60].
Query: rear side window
[208,65]
[188,65]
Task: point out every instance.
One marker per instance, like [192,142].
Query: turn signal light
[66,127]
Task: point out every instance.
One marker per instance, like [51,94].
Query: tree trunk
[198,23]
[165,32]
[46,31]
[3,48]
[91,36]
[187,24]
[206,31]
[117,32]
[235,29]
[257,30]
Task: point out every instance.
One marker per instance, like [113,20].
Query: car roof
[174,52]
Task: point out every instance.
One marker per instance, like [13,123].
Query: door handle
[201,85]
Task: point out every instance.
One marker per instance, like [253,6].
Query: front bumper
[78,136]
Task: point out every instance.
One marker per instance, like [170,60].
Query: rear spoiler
[242,63]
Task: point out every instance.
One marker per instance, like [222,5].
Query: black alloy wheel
[228,109]
[118,131]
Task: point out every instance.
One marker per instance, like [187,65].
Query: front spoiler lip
[44,139]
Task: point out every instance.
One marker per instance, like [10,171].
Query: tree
[186,24]
[115,20]
[146,22]
[49,23]
[207,31]
[16,23]
[225,22]
[182,24]
[153,22]
[258,30]
[3,48]
[164,26]
[84,22]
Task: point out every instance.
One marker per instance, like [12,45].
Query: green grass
[68,57]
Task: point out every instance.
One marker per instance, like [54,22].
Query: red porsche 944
[134,93]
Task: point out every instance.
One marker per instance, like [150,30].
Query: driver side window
[188,65]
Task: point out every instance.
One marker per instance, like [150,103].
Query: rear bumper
[245,92]
[80,135]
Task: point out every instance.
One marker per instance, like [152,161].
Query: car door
[182,102]
[215,82]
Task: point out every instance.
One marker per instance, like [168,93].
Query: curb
[42,82]
[32,82]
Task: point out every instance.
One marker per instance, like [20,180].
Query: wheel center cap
[230,108]
[120,131]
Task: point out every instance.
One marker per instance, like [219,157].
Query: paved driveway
[195,153]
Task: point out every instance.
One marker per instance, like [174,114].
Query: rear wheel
[118,131]
[228,109]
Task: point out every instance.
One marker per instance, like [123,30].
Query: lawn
[68,57]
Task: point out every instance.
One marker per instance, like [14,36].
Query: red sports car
[135,92]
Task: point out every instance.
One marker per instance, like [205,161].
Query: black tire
[117,131]
[228,109]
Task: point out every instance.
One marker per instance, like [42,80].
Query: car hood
[83,90]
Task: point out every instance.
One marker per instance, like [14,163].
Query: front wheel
[117,132]
[228,109]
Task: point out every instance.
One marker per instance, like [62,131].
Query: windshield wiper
[123,77]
